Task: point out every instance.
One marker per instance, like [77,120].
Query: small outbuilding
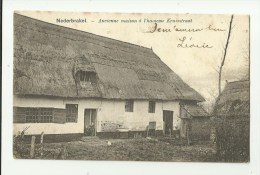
[195,122]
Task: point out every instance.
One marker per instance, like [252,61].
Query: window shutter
[59,116]
[19,115]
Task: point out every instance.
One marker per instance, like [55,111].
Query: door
[90,122]
[167,122]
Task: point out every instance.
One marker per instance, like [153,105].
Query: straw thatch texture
[47,58]
[234,100]
[195,110]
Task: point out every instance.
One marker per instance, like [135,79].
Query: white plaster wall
[107,110]
[47,128]
[38,102]
[114,110]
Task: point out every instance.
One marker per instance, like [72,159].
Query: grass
[143,149]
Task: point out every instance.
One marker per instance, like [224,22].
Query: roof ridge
[81,31]
[237,81]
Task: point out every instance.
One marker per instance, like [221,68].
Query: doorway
[167,122]
[90,122]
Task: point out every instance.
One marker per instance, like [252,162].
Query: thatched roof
[47,58]
[195,111]
[234,99]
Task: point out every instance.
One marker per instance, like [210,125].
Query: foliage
[232,139]
[21,149]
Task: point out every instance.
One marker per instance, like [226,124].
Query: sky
[174,37]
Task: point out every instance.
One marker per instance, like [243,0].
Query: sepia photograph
[161,87]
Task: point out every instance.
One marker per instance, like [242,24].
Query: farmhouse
[70,82]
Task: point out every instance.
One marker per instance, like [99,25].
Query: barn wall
[108,111]
[200,128]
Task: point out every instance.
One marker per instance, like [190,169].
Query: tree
[224,55]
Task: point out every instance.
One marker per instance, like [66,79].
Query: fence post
[147,131]
[188,136]
[32,147]
[42,134]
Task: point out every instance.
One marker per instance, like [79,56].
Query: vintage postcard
[131,86]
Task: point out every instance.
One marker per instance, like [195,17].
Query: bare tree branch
[225,53]
[215,69]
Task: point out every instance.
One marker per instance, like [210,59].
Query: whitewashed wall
[107,110]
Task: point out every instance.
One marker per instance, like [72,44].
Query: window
[151,108]
[86,76]
[39,115]
[129,106]
[71,112]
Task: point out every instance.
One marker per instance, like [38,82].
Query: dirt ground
[142,149]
